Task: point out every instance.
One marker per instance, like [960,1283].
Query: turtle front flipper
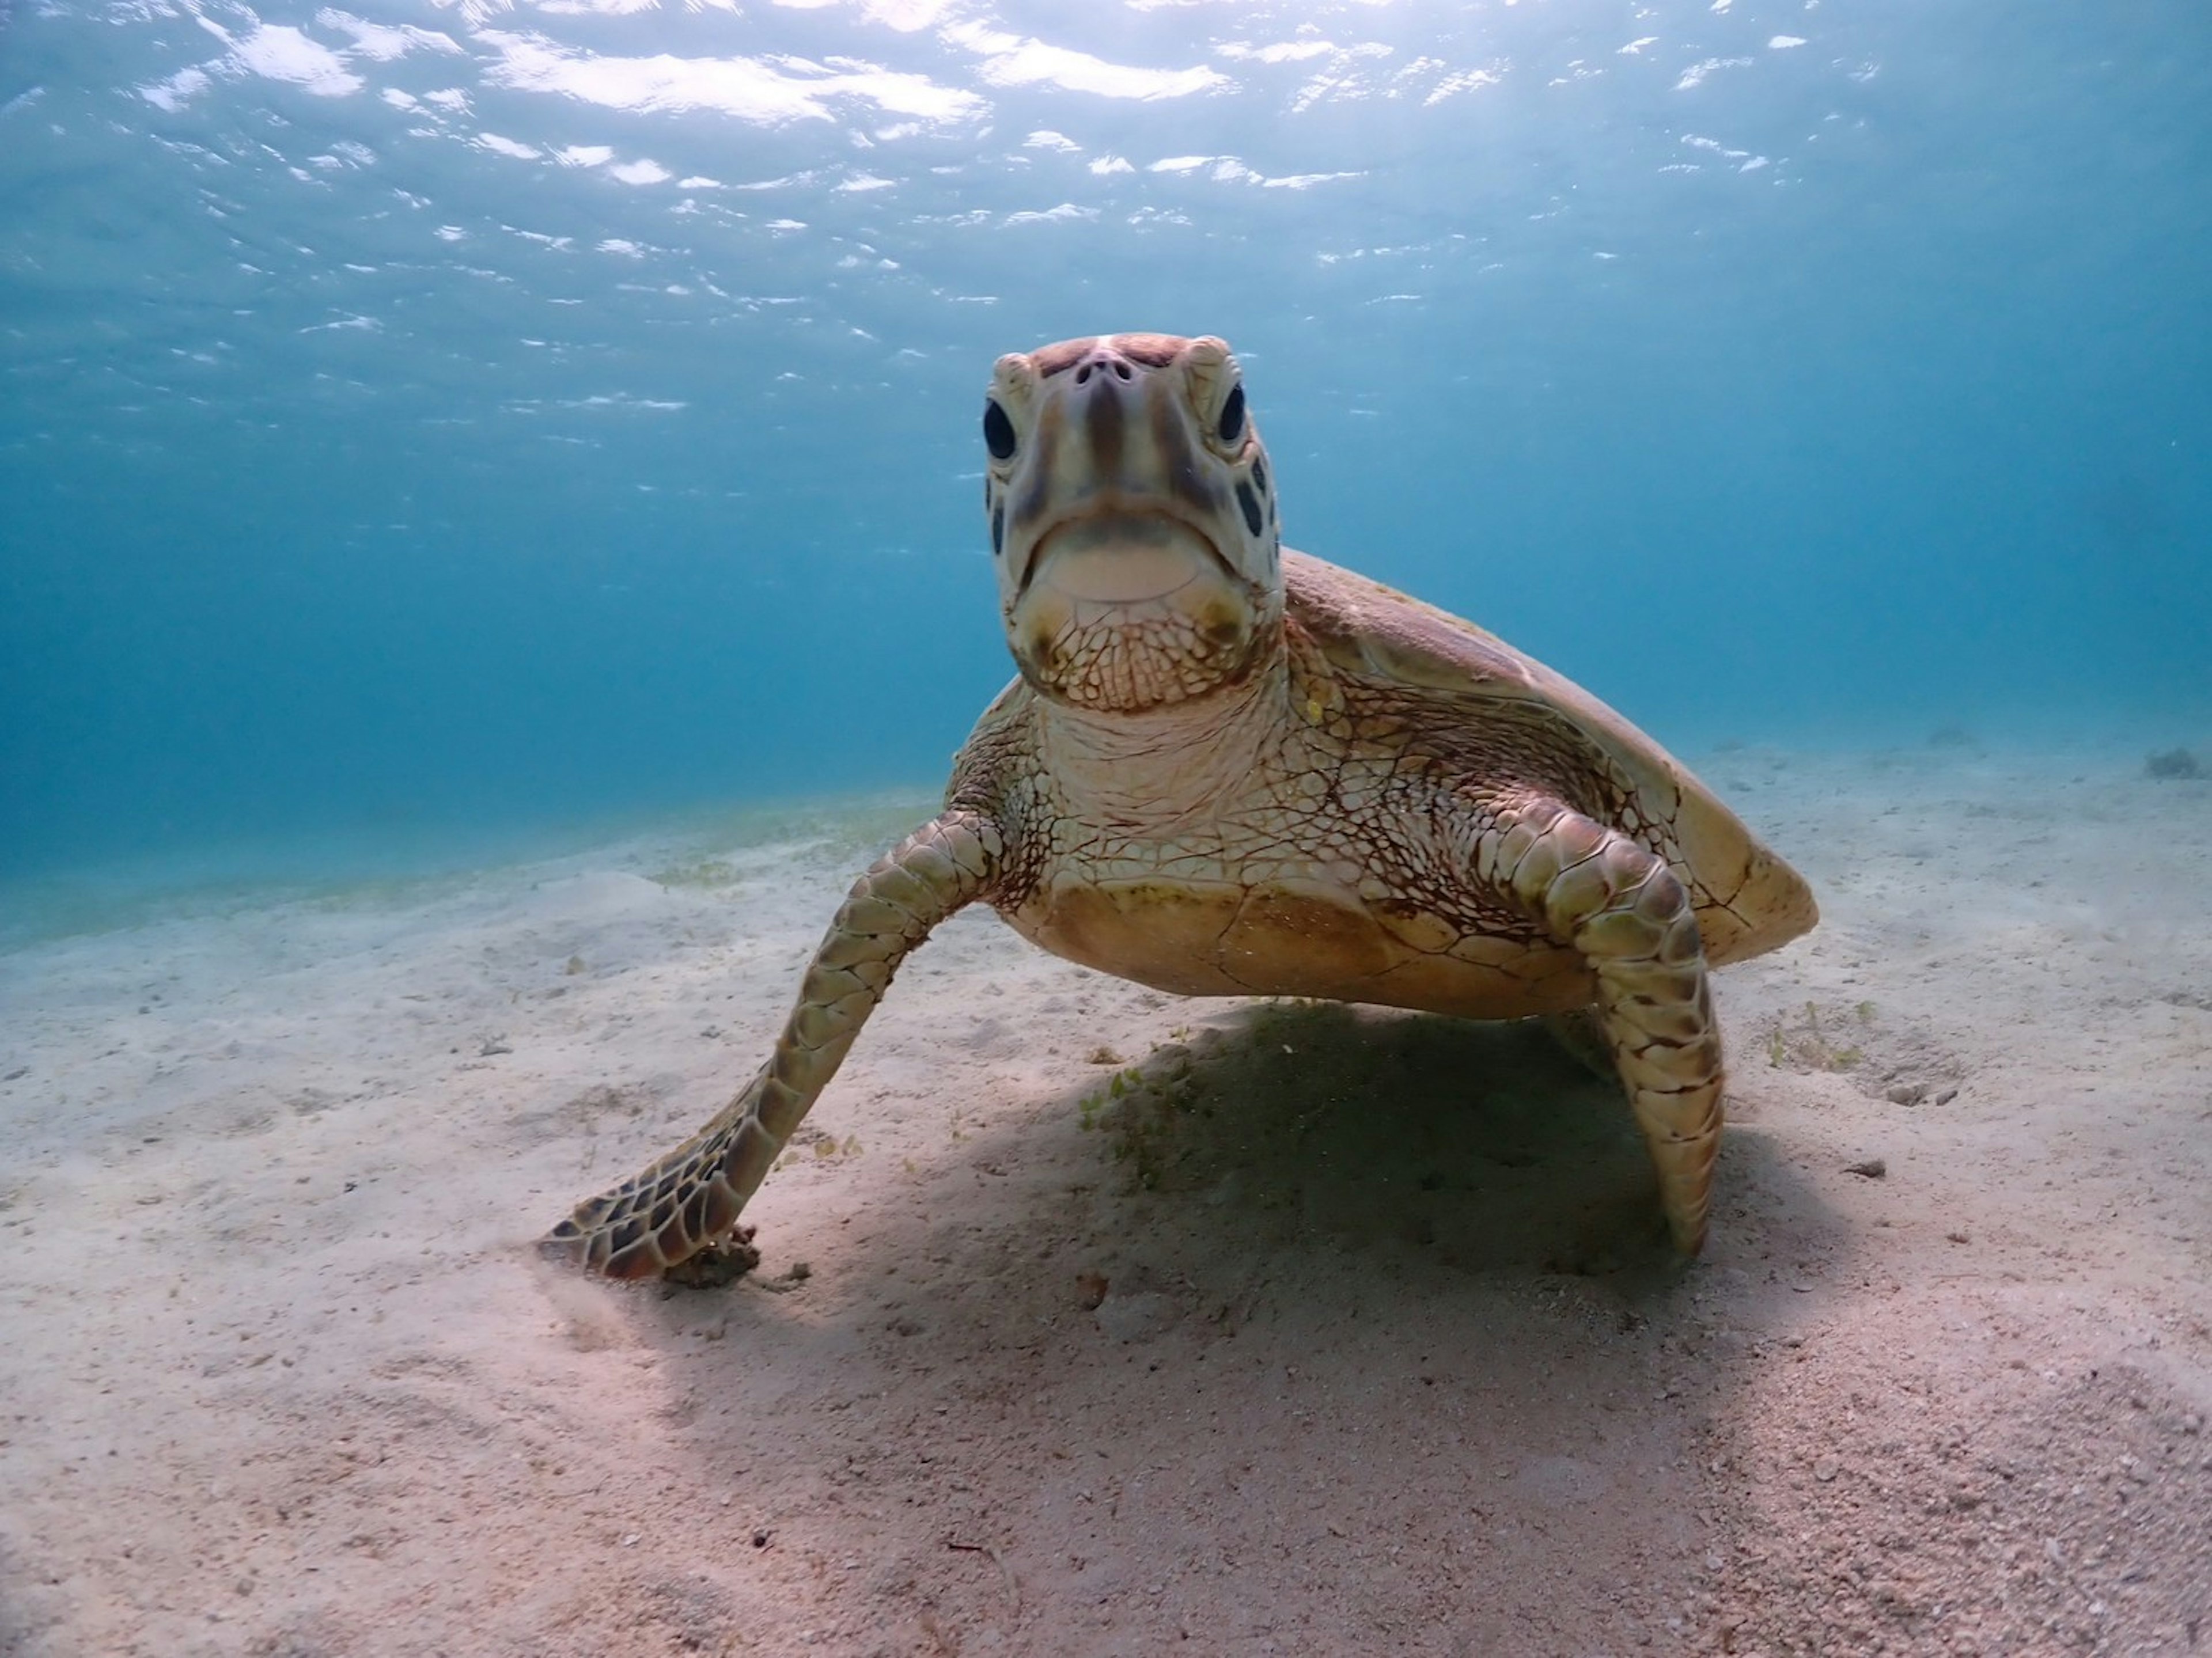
[693,1196]
[1623,909]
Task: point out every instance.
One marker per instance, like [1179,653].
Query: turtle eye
[998,431]
[1231,425]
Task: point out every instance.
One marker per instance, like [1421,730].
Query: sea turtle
[1230,769]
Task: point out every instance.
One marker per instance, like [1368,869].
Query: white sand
[1387,1361]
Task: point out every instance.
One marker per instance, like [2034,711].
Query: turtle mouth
[1123,558]
[1125,612]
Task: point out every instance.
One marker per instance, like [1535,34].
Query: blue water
[440,422]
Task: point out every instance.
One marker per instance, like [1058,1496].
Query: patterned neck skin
[1180,760]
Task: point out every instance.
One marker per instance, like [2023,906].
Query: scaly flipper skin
[692,1197]
[1624,910]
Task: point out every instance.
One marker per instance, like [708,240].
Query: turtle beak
[1122,558]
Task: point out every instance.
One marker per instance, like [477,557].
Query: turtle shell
[1749,900]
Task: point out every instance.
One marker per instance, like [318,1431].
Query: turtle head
[1132,521]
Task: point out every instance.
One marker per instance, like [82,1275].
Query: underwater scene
[1537,576]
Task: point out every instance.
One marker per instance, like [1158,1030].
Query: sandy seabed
[1096,1322]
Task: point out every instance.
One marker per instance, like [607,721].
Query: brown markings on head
[1149,350]
[1221,626]
[1152,351]
[1059,359]
[1171,438]
[1032,505]
[1105,423]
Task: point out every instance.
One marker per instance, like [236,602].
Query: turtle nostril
[1100,362]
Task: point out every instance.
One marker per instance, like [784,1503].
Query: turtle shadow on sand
[1488,1144]
[1477,1149]
[1485,1148]
[1481,1147]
